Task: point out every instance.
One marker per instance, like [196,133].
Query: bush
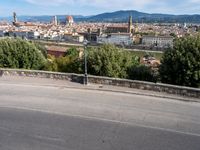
[70,63]
[18,53]
[42,48]
[181,65]
[143,73]
[110,61]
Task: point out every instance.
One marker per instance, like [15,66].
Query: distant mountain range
[118,16]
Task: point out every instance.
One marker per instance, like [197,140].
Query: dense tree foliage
[42,48]
[72,52]
[181,65]
[18,53]
[143,73]
[70,63]
[108,60]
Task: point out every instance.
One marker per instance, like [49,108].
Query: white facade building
[33,35]
[55,36]
[116,38]
[20,34]
[24,34]
[160,41]
[73,38]
[78,38]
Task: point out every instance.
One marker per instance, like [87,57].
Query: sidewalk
[106,88]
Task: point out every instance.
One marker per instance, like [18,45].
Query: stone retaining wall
[32,73]
[158,87]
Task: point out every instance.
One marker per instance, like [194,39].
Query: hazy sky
[91,7]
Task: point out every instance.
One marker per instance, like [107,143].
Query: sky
[93,7]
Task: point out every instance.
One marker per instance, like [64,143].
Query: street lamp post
[85,82]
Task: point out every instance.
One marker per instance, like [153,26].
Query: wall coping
[145,82]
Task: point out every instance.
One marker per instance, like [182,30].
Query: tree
[51,64]
[108,60]
[181,65]
[143,73]
[72,52]
[70,63]
[173,34]
[18,53]
[42,48]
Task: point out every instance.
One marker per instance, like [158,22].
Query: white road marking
[100,119]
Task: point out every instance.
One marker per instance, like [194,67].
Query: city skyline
[87,7]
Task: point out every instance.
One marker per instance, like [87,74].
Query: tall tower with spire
[14,17]
[130,24]
[136,28]
[55,20]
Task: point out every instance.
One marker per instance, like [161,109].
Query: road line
[100,119]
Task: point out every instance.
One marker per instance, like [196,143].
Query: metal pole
[86,76]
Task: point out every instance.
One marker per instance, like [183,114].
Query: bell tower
[130,24]
[14,17]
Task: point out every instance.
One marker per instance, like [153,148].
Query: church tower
[130,24]
[136,30]
[55,20]
[14,17]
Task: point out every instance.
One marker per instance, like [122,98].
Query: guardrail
[158,87]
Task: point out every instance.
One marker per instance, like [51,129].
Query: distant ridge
[120,16]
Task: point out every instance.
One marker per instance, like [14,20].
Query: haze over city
[88,7]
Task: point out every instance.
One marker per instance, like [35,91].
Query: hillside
[119,16]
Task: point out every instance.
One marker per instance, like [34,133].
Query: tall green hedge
[18,53]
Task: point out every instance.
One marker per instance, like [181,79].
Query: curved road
[37,116]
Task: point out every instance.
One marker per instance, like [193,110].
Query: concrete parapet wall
[158,87]
[33,73]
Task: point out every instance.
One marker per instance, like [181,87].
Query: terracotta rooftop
[56,48]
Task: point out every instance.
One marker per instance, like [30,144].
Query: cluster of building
[41,31]
[122,34]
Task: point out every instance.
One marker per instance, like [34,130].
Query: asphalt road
[34,116]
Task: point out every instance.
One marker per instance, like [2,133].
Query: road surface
[38,116]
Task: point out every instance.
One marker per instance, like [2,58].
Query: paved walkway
[68,84]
